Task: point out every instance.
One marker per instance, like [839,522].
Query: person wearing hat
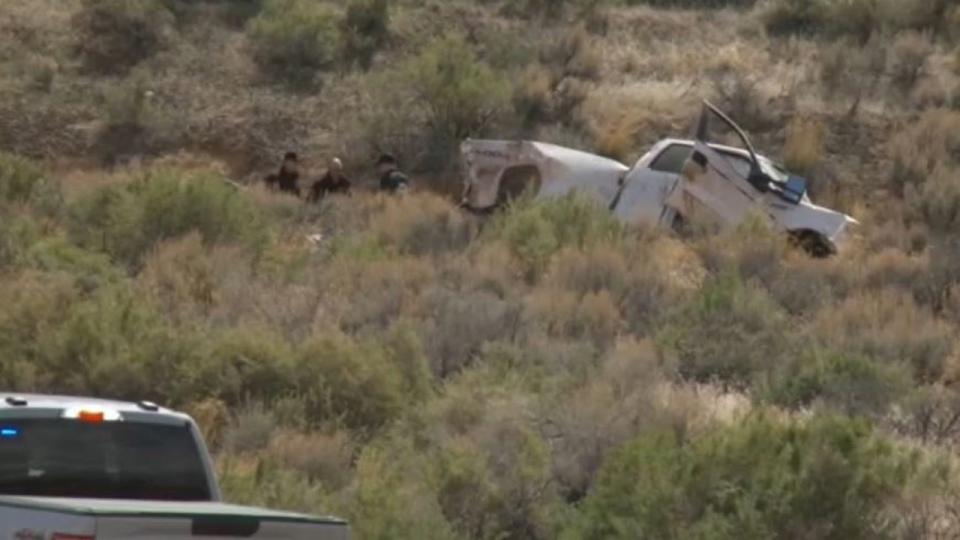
[333,181]
[288,179]
[391,179]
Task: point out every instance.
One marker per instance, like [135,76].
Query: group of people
[334,181]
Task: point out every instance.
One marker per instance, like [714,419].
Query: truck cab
[90,469]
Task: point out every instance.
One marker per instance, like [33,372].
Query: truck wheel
[812,243]
[516,182]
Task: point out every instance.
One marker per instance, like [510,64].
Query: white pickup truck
[89,469]
[675,182]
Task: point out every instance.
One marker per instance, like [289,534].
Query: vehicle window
[116,460]
[672,158]
[739,163]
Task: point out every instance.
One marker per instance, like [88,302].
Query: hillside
[543,373]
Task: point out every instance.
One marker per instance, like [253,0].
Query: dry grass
[804,149]
[425,377]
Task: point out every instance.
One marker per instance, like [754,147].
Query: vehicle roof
[715,146]
[50,401]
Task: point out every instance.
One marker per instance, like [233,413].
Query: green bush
[536,230]
[829,478]
[365,29]
[24,183]
[17,233]
[115,345]
[731,333]
[293,40]
[127,220]
[349,382]
[852,384]
[391,497]
[115,35]
[459,94]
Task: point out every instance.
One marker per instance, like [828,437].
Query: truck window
[115,460]
[738,162]
[672,158]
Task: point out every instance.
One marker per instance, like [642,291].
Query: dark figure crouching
[288,179]
[332,182]
[391,179]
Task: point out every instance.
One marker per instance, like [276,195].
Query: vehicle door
[646,187]
[719,186]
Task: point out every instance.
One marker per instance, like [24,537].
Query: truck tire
[812,243]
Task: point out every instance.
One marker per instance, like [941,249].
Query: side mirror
[759,180]
[794,189]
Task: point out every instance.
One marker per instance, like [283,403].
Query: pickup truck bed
[106,519]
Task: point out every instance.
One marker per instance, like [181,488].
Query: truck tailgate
[156,520]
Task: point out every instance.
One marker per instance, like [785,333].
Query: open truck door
[718,186]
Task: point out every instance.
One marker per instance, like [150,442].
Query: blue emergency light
[9,432]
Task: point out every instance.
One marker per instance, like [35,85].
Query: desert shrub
[115,35]
[856,18]
[593,316]
[804,148]
[126,220]
[550,9]
[596,268]
[245,365]
[267,484]
[908,58]
[930,413]
[389,497]
[459,323]
[830,477]
[920,148]
[293,40]
[535,231]
[17,233]
[322,457]
[888,326]
[803,285]
[617,402]
[350,382]
[752,250]
[55,254]
[459,94]
[739,93]
[212,417]
[533,93]
[189,280]
[693,3]
[844,65]
[936,202]
[493,483]
[23,182]
[365,28]
[114,344]
[853,385]
[731,333]
[792,16]
[250,429]
[406,351]
[35,305]
[136,122]
[423,224]
[573,54]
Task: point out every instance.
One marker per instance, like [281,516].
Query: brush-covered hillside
[542,373]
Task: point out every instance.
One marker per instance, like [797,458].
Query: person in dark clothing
[391,179]
[332,182]
[288,179]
